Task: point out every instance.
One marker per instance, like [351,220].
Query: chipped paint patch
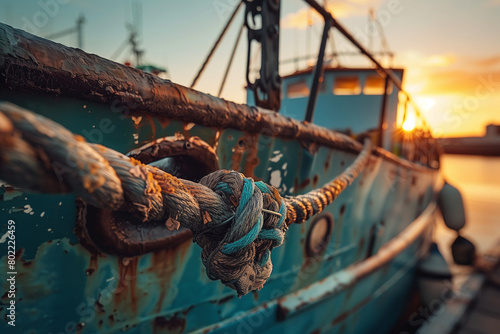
[276,158]
[9,193]
[275,179]
[28,209]
[4,237]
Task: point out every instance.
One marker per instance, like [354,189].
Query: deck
[475,309]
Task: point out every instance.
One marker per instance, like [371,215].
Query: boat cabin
[349,100]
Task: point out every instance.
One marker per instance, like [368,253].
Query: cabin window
[374,85]
[297,89]
[346,86]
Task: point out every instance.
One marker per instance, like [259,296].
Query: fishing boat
[320,229]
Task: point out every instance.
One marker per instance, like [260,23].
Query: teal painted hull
[65,285]
[168,291]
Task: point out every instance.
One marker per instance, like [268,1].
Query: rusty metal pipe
[32,64]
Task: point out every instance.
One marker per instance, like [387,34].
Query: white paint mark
[284,166]
[110,279]
[49,229]
[4,237]
[275,180]
[276,158]
[27,208]
[60,203]
[42,214]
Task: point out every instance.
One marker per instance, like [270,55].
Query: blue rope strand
[246,194]
[256,232]
[263,187]
[282,211]
[265,258]
[244,241]
[273,234]
[224,187]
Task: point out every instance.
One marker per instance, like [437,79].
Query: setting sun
[409,124]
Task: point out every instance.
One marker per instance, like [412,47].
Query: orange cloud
[461,82]
[307,16]
[440,60]
[487,62]
[464,97]
[415,59]
[446,74]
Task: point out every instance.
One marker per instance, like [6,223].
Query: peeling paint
[276,158]
[4,237]
[275,179]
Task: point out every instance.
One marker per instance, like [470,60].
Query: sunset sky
[449,48]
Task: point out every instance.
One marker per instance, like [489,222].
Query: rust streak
[125,293]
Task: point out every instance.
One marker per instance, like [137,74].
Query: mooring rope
[236,221]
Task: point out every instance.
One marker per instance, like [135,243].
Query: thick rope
[235,220]
[301,208]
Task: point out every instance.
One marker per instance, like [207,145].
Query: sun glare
[409,124]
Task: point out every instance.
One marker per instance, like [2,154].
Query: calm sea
[478,179]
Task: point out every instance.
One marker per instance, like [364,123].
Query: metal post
[318,72]
[79,30]
[383,112]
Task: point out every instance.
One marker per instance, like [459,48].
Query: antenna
[134,35]
[78,29]
[384,50]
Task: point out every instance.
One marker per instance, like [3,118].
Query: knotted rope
[235,220]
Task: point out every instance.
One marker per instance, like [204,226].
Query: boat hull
[168,291]
[67,283]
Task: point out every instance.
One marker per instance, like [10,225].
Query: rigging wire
[231,58]
[216,44]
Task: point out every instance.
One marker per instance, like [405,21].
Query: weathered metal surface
[177,145]
[346,278]
[167,291]
[29,60]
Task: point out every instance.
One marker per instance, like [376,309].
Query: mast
[262,19]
